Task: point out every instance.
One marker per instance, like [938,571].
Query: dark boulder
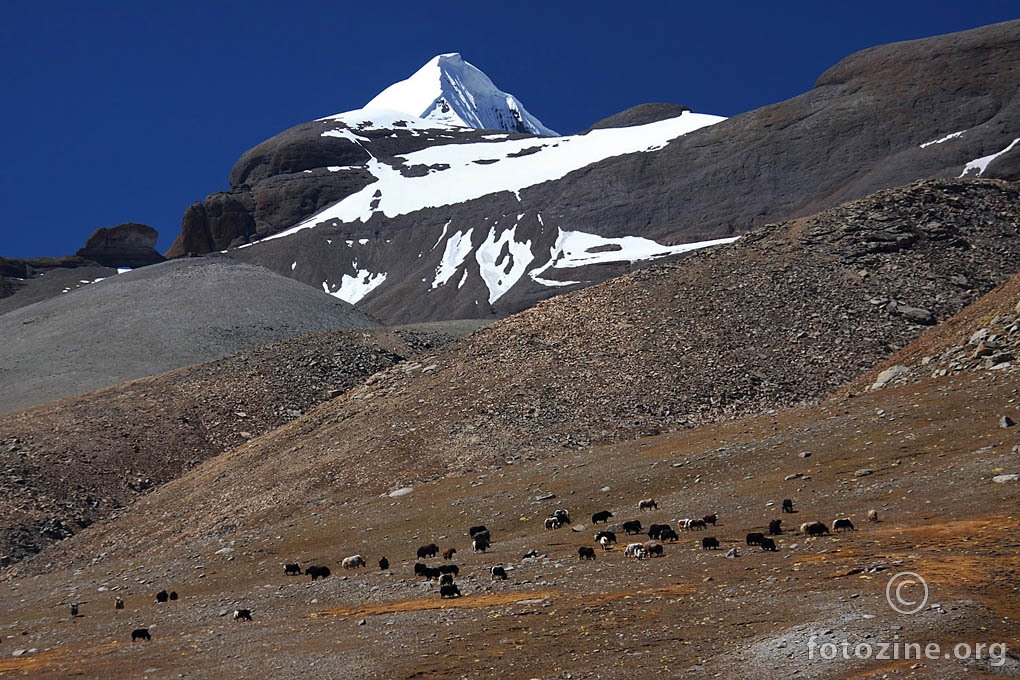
[302,147]
[225,219]
[273,186]
[17,269]
[284,200]
[126,245]
[642,114]
[228,218]
[915,314]
[194,238]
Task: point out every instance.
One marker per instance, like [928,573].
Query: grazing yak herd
[605,538]
[658,534]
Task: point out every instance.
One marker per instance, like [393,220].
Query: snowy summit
[450,90]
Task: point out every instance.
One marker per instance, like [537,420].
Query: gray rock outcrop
[641,115]
[126,245]
[152,320]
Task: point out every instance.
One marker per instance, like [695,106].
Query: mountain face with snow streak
[419,219]
[461,261]
[451,91]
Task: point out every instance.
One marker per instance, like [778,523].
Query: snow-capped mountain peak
[452,91]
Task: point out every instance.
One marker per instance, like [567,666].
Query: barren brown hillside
[932,449]
[68,464]
[781,317]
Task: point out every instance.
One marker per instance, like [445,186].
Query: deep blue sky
[129,111]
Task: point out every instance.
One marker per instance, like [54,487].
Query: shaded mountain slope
[153,320]
[861,128]
[25,282]
[640,115]
[68,464]
[444,232]
[302,170]
[783,316]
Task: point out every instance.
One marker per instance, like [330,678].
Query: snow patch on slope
[381,119]
[458,247]
[578,249]
[942,140]
[981,164]
[502,261]
[353,289]
[519,164]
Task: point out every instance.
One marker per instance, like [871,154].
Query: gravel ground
[152,320]
[692,612]
[561,407]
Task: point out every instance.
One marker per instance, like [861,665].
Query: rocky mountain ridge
[784,315]
[795,312]
[108,250]
[127,245]
[984,337]
[938,107]
[880,118]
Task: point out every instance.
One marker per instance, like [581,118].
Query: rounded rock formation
[126,245]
